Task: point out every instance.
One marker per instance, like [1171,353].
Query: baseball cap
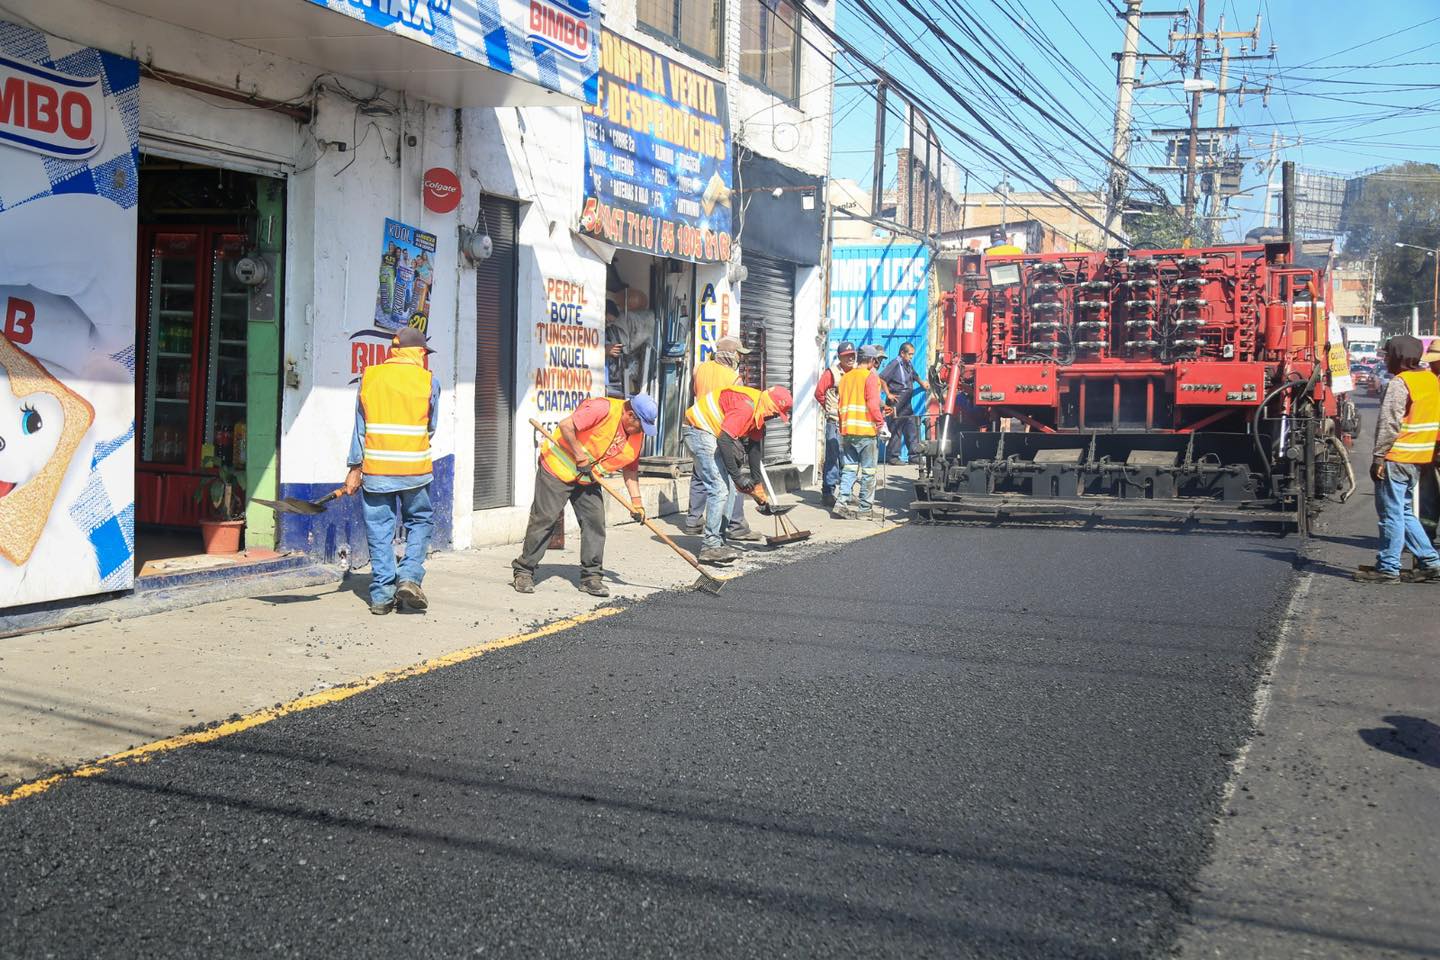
[870,353]
[783,401]
[646,409]
[1432,353]
[408,337]
[845,347]
[730,345]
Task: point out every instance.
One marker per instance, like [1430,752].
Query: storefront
[203,252]
[659,181]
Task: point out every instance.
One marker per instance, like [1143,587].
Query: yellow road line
[146,751]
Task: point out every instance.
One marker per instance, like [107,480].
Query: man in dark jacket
[900,381]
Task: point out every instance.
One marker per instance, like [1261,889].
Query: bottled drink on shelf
[239,441]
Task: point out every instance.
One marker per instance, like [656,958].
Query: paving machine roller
[1184,385]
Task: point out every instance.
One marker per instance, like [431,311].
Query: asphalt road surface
[939,742]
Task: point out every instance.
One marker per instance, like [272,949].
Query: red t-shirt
[739,416]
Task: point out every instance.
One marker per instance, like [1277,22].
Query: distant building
[1354,293]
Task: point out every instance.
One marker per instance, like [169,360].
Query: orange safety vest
[1420,427]
[395,396]
[854,412]
[713,375]
[608,444]
[705,413]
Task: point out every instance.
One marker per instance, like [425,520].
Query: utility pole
[1191,157]
[877,186]
[1287,201]
[1124,96]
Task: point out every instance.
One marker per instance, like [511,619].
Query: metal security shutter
[495,405]
[767,326]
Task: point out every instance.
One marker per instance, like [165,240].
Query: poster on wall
[407,271]
[69,154]
[548,42]
[568,366]
[658,172]
[880,295]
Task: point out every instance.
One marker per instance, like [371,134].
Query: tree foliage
[1400,204]
[1160,230]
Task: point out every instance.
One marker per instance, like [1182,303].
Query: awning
[458,53]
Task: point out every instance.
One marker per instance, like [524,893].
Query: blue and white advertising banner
[69,155]
[880,295]
[658,172]
[554,43]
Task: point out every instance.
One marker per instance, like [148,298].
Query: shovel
[305,508]
[706,583]
[785,531]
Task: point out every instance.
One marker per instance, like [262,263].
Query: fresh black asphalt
[939,742]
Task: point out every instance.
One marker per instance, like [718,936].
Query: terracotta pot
[221,536]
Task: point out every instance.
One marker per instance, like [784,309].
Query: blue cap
[646,409]
[870,353]
[845,347]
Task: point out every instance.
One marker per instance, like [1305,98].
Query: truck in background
[1362,341]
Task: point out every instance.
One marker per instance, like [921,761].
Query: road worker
[861,420]
[900,380]
[396,414]
[1405,437]
[827,394]
[734,418]
[1000,245]
[603,435]
[723,370]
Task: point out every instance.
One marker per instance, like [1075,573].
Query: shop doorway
[653,323]
[207,359]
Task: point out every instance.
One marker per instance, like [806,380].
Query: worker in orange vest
[734,417]
[1405,437]
[602,435]
[722,370]
[395,416]
[862,418]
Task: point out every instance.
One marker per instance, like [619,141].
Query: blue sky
[1345,96]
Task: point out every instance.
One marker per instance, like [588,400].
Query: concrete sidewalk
[79,694]
[1329,847]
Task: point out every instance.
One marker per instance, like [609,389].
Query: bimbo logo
[49,112]
[563,26]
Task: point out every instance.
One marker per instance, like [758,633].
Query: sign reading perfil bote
[553,43]
[880,295]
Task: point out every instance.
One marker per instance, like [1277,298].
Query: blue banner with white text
[880,296]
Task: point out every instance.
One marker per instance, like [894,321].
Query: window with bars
[696,26]
[770,46]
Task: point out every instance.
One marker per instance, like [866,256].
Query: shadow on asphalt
[1410,738]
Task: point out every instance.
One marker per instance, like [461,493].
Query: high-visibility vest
[705,413]
[854,413]
[713,375]
[1421,425]
[832,395]
[608,444]
[395,397]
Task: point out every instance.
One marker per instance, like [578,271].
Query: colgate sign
[49,112]
[564,27]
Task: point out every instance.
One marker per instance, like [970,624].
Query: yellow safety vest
[395,397]
[1420,427]
[705,413]
[713,375]
[854,413]
[608,444]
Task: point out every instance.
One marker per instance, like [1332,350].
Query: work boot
[827,500]
[380,609]
[1425,574]
[841,511]
[523,582]
[694,529]
[718,555]
[594,586]
[409,595]
[1371,575]
[743,536]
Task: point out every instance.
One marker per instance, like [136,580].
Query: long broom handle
[685,555]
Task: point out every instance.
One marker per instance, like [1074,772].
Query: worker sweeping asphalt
[722,370]
[603,435]
[735,416]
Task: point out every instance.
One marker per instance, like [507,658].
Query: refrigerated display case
[193,357]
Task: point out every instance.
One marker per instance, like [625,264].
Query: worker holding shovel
[395,417]
[603,435]
[735,416]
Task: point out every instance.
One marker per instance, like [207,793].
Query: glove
[586,471]
[1377,471]
[884,433]
[759,494]
[637,510]
[745,482]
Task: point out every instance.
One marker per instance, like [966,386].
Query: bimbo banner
[69,127]
[658,171]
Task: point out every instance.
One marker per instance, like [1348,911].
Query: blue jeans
[1399,526]
[832,458]
[859,454]
[702,444]
[720,493]
[416,514]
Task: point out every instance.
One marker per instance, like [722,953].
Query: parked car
[1363,377]
[1380,381]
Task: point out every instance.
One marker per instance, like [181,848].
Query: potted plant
[225,498]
